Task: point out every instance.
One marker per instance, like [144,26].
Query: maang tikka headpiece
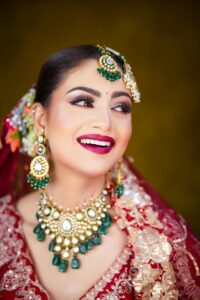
[109,70]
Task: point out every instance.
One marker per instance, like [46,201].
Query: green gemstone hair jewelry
[38,176]
[109,70]
[108,67]
[72,233]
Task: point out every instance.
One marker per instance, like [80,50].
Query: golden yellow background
[160,39]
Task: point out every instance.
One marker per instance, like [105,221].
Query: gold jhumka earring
[38,176]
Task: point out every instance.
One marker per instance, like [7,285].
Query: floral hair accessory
[21,133]
[109,70]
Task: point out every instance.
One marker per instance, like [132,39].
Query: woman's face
[87,108]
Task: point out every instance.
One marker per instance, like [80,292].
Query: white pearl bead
[79,216]
[65,254]
[40,139]
[57,248]
[74,241]
[76,249]
[89,233]
[52,236]
[56,215]
[59,239]
[66,242]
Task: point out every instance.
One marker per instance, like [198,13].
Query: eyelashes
[85,102]
[88,102]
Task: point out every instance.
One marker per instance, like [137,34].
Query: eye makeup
[88,102]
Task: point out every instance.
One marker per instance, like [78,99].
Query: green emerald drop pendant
[63,266]
[75,264]
[56,260]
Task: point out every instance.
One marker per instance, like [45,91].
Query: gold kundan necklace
[72,233]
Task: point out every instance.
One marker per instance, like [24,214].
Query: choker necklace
[72,233]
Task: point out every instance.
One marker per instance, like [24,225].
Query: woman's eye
[85,102]
[124,108]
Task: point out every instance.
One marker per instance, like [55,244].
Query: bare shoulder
[26,206]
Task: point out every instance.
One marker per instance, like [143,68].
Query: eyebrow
[97,93]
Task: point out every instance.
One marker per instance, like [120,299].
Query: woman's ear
[39,115]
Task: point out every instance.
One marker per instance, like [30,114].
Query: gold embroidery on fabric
[153,275]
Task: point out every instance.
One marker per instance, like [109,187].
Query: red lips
[97,148]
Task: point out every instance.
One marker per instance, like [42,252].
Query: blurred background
[160,39]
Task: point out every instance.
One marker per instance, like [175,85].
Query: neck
[71,189]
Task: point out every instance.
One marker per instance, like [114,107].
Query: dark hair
[58,64]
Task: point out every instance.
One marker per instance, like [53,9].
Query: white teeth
[95,142]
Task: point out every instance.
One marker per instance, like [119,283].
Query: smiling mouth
[97,143]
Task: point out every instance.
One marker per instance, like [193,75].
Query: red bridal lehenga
[160,261]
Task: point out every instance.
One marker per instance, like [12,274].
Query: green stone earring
[119,188]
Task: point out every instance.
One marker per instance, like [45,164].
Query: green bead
[119,190]
[51,246]
[97,240]
[75,264]
[56,260]
[37,229]
[37,215]
[83,249]
[90,244]
[106,223]
[102,229]
[41,236]
[63,266]
[108,216]
[107,220]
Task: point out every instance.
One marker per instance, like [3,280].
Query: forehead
[86,74]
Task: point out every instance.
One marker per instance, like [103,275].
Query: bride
[93,228]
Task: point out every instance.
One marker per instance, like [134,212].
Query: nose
[102,119]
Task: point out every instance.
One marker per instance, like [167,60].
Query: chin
[92,167]
[95,169]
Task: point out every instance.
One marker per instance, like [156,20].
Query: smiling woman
[94,229]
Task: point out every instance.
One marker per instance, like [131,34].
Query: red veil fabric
[13,166]
[8,162]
